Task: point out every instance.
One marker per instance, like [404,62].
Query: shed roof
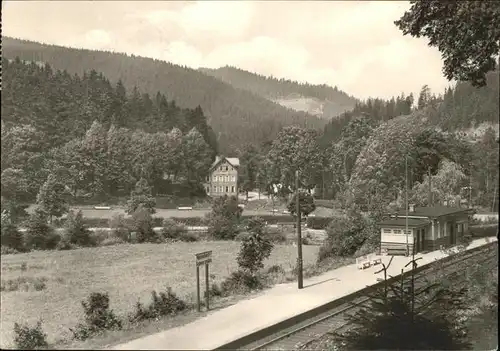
[434,211]
[401,222]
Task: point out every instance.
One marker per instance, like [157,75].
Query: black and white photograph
[249,175]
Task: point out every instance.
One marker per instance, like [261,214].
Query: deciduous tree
[467,33]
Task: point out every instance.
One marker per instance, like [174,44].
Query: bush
[306,204]
[482,231]
[142,225]
[241,282]
[5,250]
[345,235]
[224,219]
[275,235]
[222,228]
[24,284]
[318,222]
[112,241]
[75,230]
[255,248]
[39,235]
[12,237]
[98,317]
[188,237]
[99,235]
[29,338]
[275,269]
[163,304]
[119,227]
[172,230]
[191,221]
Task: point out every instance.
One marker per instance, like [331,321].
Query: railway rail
[305,329]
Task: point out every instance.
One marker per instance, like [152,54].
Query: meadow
[51,284]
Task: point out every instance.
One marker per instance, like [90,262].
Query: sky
[349,44]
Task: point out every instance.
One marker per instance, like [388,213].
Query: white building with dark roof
[223,177]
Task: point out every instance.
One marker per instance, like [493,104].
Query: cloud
[353,45]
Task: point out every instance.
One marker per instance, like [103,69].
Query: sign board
[203,258]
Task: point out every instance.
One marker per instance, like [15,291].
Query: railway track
[311,328]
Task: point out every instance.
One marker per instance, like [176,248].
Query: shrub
[142,225]
[97,236]
[482,231]
[188,237]
[12,237]
[75,230]
[222,228]
[215,290]
[255,248]
[112,241]
[345,235]
[98,317]
[275,269]
[224,219]
[190,221]
[172,230]
[24,284]
[39,235]
[119,227]
[318,222]
[162,304]
[241,282]
[5,250]
[276,237]
[29,338]
[306,204]
[141,197]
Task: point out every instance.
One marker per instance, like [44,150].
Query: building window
[408,232]
[208,189]
[215,178]
[227,189]
[387,231]
[220,189]
[232,190]
[215,189]
[396,231]
[226,168]
[233,178]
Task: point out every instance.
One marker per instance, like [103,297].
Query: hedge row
[482,231]
[312,222]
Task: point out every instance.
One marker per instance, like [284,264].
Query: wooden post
[299,233]
[207,287]
[198,287]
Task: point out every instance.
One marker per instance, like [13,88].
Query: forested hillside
[237,116]
[95,137]
[330,101]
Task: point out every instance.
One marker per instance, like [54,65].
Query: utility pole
[430,187]
[470,187]
[299,234]
[406,206]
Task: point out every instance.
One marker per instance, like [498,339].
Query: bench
[102,208]
[363,262]
[374,260]
[186,208]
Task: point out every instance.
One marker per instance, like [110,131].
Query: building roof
[234,161]
[401,222]
[433,212]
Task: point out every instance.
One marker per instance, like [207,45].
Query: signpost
[203,258]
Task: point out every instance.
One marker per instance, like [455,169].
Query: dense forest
[336,100]
[237,116]
[98,139]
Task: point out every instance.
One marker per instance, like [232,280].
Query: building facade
[429,228]
[223,177]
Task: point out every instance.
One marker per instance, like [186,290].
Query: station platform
[275,305]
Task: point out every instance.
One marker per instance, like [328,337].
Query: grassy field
[126,272]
